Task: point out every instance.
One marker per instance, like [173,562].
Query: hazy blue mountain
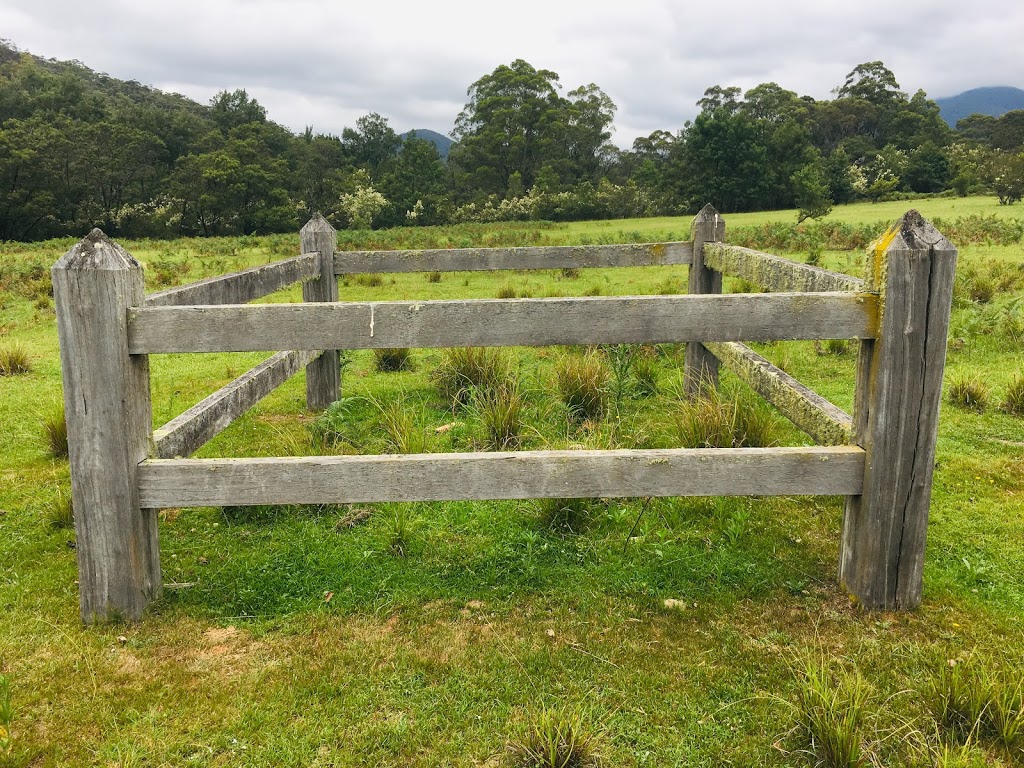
[442,142]
[994,100]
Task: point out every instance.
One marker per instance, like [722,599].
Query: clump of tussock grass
[646,374]
[829,710]
[392,360]
[1013,402]
[55,434]
[555,739]
[742,285]
[399,528]
[974,699]
[569,273]
[399,424]
[507,291]
[716,420]
[502,412]
[433,277]
[465,370]
[15,360]
[569,514]
[370,279]
[837,347]
[582,382]
[969,391]
[61,514]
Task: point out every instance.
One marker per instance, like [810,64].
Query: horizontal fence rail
[809,411]
[774,273]
[503,322]
[519,475]
[534,257]
[187,433]
[240,287]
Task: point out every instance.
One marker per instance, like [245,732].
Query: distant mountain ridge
[439,140]
[993,100]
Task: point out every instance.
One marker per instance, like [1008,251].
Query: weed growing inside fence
[832,347]
[582,383]
[968,390]
[721,420]
[507,291]
[1014,400]
[433,277]
[399,423]
[502,412]
[465,369]
[646,374]
[555,739]
[370,280]
[15,360]
[392,360]
[55,434]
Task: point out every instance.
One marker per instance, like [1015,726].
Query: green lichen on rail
[808,410]
[774,273]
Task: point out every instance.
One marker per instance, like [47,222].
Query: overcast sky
[325,64]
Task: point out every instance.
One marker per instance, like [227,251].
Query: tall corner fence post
[896,415]
[700,371]
[323,375]
[109,422]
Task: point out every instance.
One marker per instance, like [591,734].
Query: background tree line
[80,149]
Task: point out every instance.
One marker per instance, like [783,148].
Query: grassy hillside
[679,632]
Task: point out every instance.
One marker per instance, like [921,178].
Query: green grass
[436,634]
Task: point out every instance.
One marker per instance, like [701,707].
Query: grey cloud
[327,63]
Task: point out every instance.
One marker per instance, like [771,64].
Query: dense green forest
[81,149]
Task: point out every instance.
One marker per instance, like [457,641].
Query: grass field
[681,632]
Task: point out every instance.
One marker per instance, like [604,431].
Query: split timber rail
[881,459]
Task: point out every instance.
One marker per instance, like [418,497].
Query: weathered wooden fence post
[896,415]
[700,372]
[106,401]
[323,375]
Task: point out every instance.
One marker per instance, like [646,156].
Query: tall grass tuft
[501,410]
[403,436]
[715,420]
[582,383]
[467,369]
[61,515]
[968,391]
[829,714]
[15,360]
[55,434]
[1014,400]
[555,739]
[6,715]
[571,514]
[392,360]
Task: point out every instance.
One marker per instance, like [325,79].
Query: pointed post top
[97,251]
[317,224]
[707,213]
[912,232]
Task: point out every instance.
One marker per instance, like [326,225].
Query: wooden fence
[881,459]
